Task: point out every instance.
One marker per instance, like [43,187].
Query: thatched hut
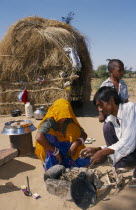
[35,47]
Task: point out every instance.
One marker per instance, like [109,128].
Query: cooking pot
[39,113]
[83,191]
[18,127]
[15,113]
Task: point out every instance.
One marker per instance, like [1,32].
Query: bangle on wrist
[56,151]
[82,140]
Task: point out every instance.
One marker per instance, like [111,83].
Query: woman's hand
[59,158]
[88,152]
[72,150]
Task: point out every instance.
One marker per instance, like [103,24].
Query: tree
[102,71]
[68,18]
[128,71]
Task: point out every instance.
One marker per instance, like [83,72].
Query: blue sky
[108,25]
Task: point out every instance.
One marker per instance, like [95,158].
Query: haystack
[34,47]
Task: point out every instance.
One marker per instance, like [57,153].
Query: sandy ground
[17,170]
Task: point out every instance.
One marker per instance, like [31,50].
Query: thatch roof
[34,44]
[34,47]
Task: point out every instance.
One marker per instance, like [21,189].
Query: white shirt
[123,91]
[126,131]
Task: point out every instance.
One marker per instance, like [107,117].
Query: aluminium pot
[39,113]
[18,127]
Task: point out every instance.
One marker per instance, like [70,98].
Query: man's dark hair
[113,64]
[105,94]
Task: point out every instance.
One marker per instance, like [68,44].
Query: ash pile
[76,184]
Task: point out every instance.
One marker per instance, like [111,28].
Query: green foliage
[101,72]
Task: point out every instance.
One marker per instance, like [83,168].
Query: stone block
[59,188]
[54,172]
[7,154]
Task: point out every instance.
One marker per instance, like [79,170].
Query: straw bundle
[34,47]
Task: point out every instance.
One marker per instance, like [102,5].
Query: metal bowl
[18,127]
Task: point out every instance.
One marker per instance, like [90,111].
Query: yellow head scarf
[60,109]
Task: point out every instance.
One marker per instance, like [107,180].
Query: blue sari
[63,147]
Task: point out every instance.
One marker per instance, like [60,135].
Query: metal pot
[18,127]
[15,113]
[39,113]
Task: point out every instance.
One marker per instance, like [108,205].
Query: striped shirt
[122,92]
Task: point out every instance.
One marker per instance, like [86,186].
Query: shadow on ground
[14,167]
[6,189]
[84,110]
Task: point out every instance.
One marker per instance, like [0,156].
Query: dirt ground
[16,171]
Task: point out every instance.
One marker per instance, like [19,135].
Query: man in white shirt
[123,120]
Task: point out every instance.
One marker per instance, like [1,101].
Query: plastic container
[29,110]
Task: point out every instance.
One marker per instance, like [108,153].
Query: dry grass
[131,83]
[34,47]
